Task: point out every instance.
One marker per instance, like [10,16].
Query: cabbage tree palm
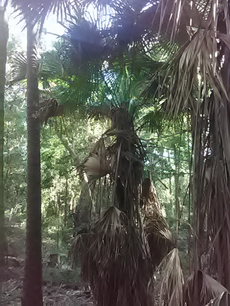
[119,251]
[34,14]
[122,160]
[196,81]
[3,55]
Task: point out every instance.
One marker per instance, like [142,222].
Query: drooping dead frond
[156,229]
[222,300]
[18,68]
[158,235]
[120,153]
[196,68]
[200,288]
[115,261]
[96,166]
[49,108]
[171,291]
[195,60]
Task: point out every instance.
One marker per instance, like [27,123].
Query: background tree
[3,55]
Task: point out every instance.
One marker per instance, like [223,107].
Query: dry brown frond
[156,229]
[115,261]
[158,236]
[222,300]
[171,291]
[120,153]
[96,166]
[200,288]
[49,108]
[197,58]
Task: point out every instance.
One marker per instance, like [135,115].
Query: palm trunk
[32,286]
[3,53]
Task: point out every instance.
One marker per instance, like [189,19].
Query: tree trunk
[66,202]
[3,53]
[176,180]
[32,286]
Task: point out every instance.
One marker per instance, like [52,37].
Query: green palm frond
[37,12]
[153,119]
[59,78]
[88,41]
[49,66]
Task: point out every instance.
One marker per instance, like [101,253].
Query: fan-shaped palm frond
[156,229]
[19,68]
[171,291]
[88,42]
[60,79]
[37,12]
[196,59]
[201,288]
[222,300]
[49,67]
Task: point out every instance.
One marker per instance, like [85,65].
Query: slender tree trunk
[170,188]
[32,286]
[3,53]
[189,196]
[176,180]
[66,201]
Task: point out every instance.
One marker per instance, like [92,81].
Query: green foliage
[15,152]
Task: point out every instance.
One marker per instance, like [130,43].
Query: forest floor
[58,289]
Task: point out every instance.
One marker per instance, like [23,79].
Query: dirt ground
[53,294]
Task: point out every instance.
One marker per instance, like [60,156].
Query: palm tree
[32,285]
[34,15]
[196,80]
[118,251]
[3,55]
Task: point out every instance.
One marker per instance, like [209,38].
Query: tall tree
[34,15]
[197,82]
[32,285]
[3,55]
